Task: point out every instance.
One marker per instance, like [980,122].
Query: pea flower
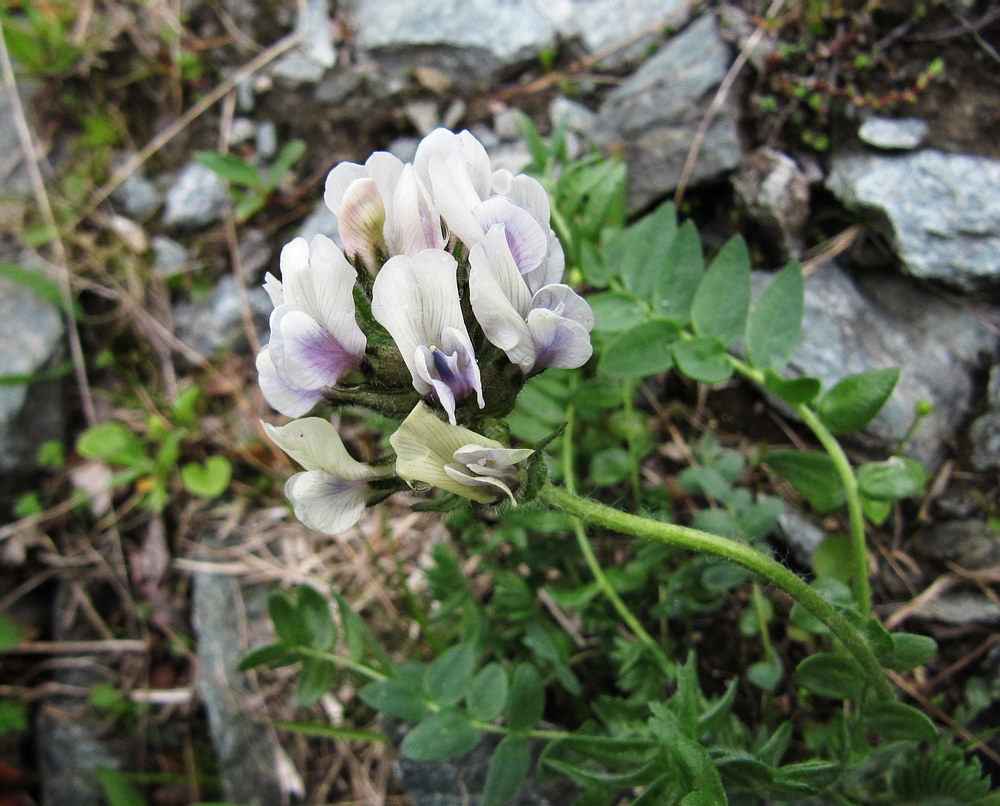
[548,328]
[333,491]
[455,459]
[416,300]
[314,337]
[381,210]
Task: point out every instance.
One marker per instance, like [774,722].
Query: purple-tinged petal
[361,221]
[527,240]
[288,400]
[564,301]
[416,225]
[337,182]
[305,354]
[559,343]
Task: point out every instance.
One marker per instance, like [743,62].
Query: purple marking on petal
[305,355]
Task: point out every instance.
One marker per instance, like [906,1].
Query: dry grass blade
[30,151]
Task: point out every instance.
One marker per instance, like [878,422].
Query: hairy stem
[752,560]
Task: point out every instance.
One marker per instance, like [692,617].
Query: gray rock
[169,257]
[960,610]
[941,212]
[800,534]
[29,342]
[138,196]
[972,544]
[886,322]
[984,433]
[467,40]
[247,749]
[901,134]
[601,24]
[774,194]
[321,222]
[255,252]
[655,113]
[242,131]
[267,139]
[198,197]
[15,181]
[217,324]
[308,63]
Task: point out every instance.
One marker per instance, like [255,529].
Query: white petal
[315,444]
[384,169]
[326,503]
[500,300]
[415,299]
[272,285]
[467,479]
[463,153]
[319,280]
[559,342]
[290,401]
[563,300]
[337,182]
[525,237]
[415,224]
[424,445]
[495,460]
[524,191]
[454,197]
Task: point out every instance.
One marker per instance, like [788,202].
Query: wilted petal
[325,503]
[289,400]
[427,450]
[559,342]
[361,219]
[315,444]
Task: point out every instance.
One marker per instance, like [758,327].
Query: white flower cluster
[446,296]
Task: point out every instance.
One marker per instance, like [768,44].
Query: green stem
[590,558]
[855,514]
[752,560]
[340,660]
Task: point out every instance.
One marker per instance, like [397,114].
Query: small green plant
[257,184]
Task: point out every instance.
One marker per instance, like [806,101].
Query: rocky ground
[863,142]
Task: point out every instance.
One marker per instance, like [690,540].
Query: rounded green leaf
[395,697]
[775,322]
[834,558]
[853,402]
[315,679]
[615,311]
[722,300]
[897,721]
[447,677]
[703,359]
[487,693]
[813,474]
[909,651]
[681,268]
[526,700]
[208,480]
[896,477]
[792,390]
[641,350]
[830,674]
[110,441]
[442,735]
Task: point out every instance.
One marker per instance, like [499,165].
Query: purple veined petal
[559,343]
[564,301]
[337,182]
[325,503]
[361,222]
[305,354]
[272,285]
[288,400]
[550,269]
[318,279]
[315,444]
[416,225]
[451,370]
[525,236]
[455,341]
